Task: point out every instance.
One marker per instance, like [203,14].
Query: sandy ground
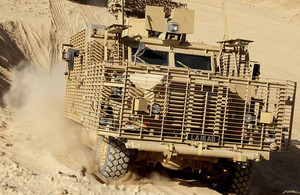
[39,150]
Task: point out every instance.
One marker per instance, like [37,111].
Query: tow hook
[168,153]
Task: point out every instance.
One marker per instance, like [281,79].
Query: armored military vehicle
[143,93]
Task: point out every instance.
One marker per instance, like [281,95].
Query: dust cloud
[36,99]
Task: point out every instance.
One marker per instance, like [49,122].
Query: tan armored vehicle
[145,94]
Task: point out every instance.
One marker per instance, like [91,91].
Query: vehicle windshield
[152,57]
[192,61]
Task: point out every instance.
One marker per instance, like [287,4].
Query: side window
[193,61]
[152,57]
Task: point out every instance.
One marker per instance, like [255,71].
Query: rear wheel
[112,158]
[240,177]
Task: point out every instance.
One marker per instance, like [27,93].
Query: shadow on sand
[97,3]
[279,175]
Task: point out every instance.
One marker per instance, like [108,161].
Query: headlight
[172,27]
[156,108]
[270,140]
[249,118]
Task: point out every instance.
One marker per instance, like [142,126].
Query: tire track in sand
[88,15]
[60,25]
[59,17]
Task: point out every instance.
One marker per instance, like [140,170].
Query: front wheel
[112,158]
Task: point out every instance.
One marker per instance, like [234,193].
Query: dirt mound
[10,55]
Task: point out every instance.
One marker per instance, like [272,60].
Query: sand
[39,150]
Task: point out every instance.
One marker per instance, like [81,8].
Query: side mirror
[69,57]
[255,71]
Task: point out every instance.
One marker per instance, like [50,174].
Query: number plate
[204,138]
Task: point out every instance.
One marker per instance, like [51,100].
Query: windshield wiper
[182,64]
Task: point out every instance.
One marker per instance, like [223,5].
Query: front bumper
[199,149]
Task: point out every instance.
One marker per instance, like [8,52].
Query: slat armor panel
[101,96]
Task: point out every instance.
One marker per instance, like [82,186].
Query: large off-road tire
[240,177]
[112,158]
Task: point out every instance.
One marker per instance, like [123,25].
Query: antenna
[225,22]
[122,12]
